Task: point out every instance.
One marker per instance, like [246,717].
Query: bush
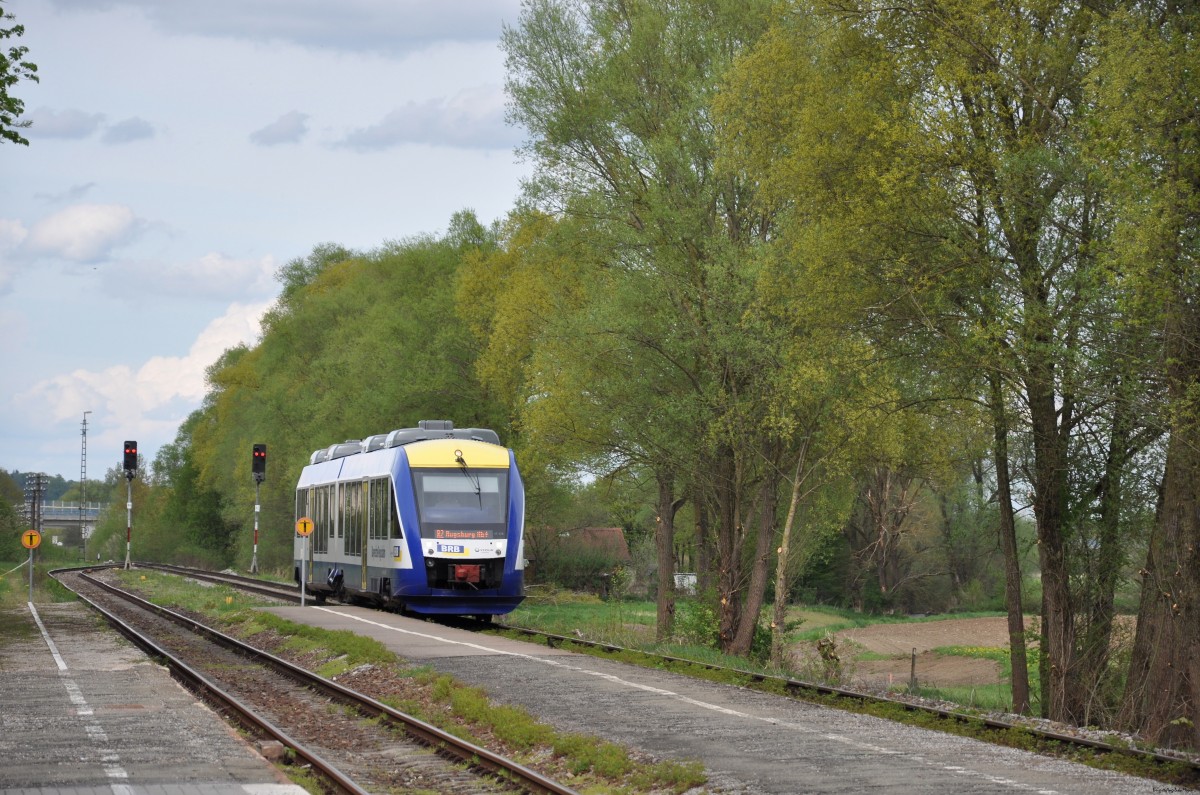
[574,568]
[696,624]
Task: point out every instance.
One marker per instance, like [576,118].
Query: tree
[1148,151]
[655,371]
[13,69]
[927,163]
[358,344]
[191,514]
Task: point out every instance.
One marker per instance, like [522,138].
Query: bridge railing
[70,510]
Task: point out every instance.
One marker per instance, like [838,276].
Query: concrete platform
[411,638]
[83,711]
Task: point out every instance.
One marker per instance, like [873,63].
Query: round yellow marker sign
[304,526]
[30,539]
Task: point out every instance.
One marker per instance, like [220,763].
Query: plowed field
[899,641]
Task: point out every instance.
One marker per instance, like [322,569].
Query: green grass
[14,583]
[816,621]
[618,622]
[990,698]
[996,697]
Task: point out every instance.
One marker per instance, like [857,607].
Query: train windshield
[464,503]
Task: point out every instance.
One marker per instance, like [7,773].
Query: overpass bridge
[68,523]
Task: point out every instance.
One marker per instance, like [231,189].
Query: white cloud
[82,232]
[132,129]
[48,123]
[11,235]
[213,276]
[148,403]
[71,194]
[472,119]
[287,129]
[388,26]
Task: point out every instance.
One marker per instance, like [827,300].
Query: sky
[181,152]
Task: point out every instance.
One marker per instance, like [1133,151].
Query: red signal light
[259,462]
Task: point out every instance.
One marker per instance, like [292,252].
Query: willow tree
[616,96]
[1149,150]
[930,157]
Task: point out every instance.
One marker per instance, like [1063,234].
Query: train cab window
[453,504]
[394,515]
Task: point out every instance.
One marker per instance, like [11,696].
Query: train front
[469,503]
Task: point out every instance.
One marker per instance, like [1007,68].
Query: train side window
[321,520]
[340,496]
[377,500]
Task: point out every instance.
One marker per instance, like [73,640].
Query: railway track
[283,591]
[350,742]
[1060,741]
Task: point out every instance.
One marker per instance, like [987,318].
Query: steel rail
[206,688]
[462,750]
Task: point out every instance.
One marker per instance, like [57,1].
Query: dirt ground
[933,670]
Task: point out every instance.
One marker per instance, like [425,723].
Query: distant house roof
[602,539]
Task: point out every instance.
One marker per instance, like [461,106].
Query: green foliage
[358,344]
[696,623]
[13,68]
[10,533]
[564,563]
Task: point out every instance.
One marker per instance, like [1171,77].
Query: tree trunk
[1109,556]
[1059,701]
[705,579]
[1162,697]
[1012,563]
[664,543]
[756,590]
[729,548]
[782,581]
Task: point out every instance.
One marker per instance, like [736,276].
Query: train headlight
[498,552]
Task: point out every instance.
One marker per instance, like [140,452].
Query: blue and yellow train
[426,520]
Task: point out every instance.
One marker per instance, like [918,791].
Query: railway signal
[131,466]
[130,460]
[259,463]
[258,467]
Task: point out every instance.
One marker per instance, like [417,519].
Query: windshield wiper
[462,465]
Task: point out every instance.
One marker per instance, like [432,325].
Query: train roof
[425,430]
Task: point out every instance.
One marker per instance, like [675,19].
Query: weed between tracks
[585,763]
